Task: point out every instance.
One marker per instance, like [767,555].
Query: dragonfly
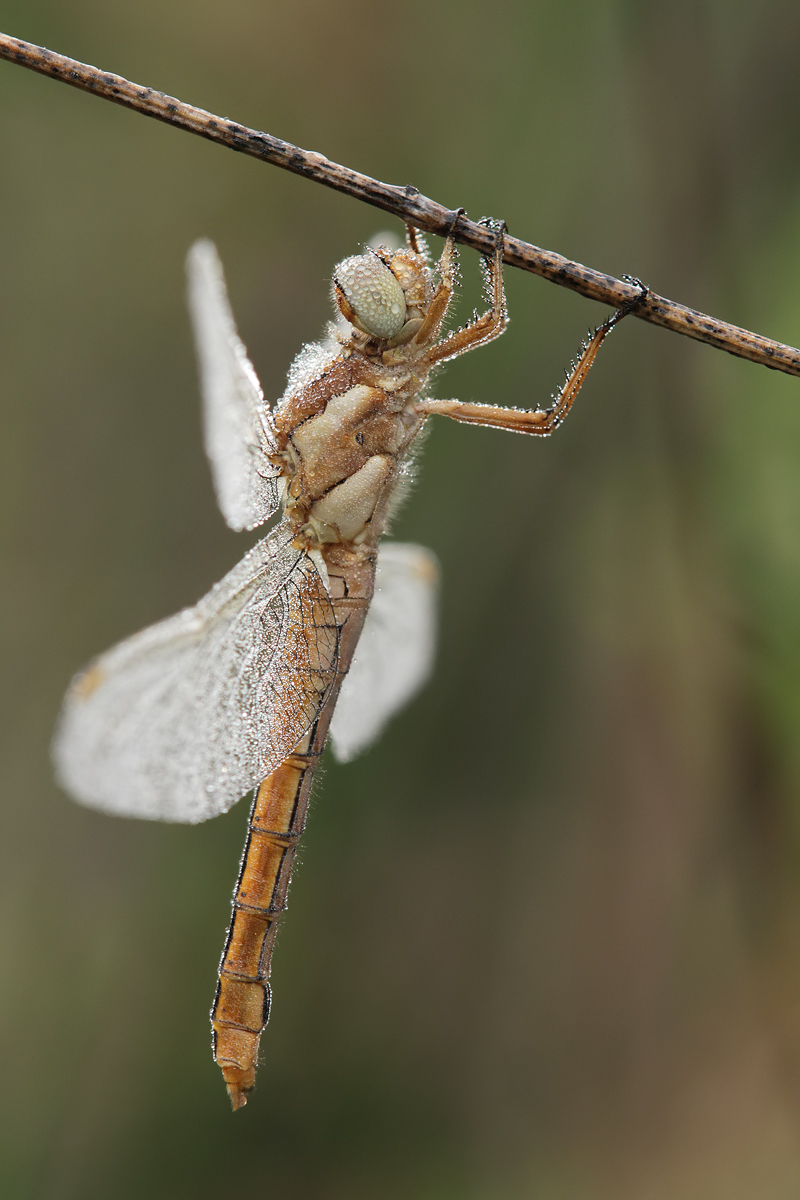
[321,630]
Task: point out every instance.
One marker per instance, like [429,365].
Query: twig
[406,203]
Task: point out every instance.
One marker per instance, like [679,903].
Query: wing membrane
[237,426]
[394,655]
[179,721]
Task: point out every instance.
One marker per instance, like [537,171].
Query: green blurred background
[544,941]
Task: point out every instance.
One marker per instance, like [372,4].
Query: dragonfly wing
[181,720]
[237,424]
[394,655]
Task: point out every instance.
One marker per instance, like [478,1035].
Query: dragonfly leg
[489,326]
[446,268]
[416,242]
[541,422]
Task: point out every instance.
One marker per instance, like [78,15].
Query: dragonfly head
[384,293]
[369,296]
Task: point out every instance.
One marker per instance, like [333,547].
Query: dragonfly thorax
[344,462]
[345,429]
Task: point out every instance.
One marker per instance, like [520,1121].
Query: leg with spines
[541,422]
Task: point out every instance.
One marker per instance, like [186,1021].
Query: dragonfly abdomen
[275,826]
[241,1005]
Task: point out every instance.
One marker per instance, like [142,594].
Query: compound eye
[373,296]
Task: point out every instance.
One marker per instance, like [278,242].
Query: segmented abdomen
[276,823]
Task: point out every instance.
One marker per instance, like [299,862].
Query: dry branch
[404,202]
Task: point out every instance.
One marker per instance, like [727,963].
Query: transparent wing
[394,655]
[179,721]
[237,425]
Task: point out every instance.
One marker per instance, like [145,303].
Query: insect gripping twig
[404,202]
[240,692]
